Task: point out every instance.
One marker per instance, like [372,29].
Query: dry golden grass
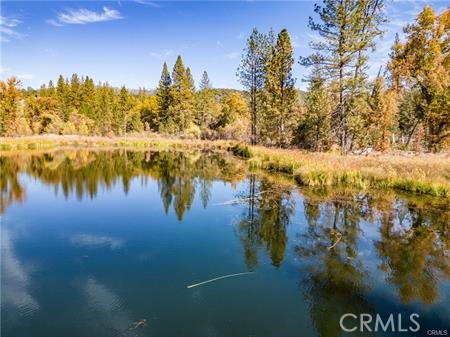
[422,174]
[46,142]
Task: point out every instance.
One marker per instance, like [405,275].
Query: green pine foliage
[181,99]
[280,116]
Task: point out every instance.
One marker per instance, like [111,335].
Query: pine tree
[75,91]
[121,112]
[163,98]
[105,108]
[88,102]
[181,96]
[190,79]
[280,95]
[62,93]
[51,89]
[252,73]
[205,82]
[315,125]
[348,29]
[207,108]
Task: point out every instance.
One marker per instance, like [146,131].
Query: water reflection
[178,174]
[336,279]
[345,243]
[11,191]
[15,280]
[414,249]
[264,222]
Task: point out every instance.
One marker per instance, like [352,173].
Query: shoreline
[426,174]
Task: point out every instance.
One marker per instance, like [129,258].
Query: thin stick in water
[218,278]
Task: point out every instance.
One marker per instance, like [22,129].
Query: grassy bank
[48,142]
[420,174]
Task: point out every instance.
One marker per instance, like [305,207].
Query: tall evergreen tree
[51,89]
[206,107]
[87,101]
[348,29]
[181,95]
[105,108]
[252,73]
[314,129]
[280,95]
[75,91]
[205,82]
[122,109]
[190,79]
[63,96]
[163,97]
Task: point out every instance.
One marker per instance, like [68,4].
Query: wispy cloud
[162,54]
[25,76]
[149,3]
[232,55]
[8,30]
[93,241]
[84,16]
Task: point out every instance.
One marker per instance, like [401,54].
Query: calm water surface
[92,243]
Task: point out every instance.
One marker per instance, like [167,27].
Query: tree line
[405,106]
[78,106]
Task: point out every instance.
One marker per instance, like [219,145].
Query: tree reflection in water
[411,242]
[264,223]
[414,249]
[177,174]
[335,281]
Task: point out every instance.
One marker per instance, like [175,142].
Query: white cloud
[84,16]
[25,76]
[240,36]
[93,241]
[9,22]
[232,55]
[149,3]
[161,55]
[7,29]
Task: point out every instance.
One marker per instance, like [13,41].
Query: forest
[405,107]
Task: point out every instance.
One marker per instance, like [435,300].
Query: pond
[106,243]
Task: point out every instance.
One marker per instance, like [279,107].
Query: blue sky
[126,42]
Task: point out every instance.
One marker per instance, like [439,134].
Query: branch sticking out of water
[218,278]
[336,242]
